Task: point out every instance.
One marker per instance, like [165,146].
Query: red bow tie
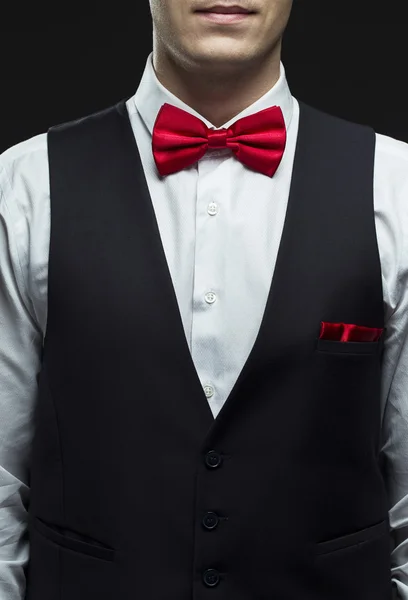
[180,139]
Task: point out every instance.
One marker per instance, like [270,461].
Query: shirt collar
[151,95]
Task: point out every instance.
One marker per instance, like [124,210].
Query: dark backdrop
[347,58]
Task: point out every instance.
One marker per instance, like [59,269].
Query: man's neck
[218,96]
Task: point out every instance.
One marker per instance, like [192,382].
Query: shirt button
[210,520]
[212,208]
[213,459]
[210,297]
[209,391]
[211,577]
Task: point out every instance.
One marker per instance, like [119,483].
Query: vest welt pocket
[73,541]
[336,347]
[352,539]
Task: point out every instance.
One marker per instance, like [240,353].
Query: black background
[347,58]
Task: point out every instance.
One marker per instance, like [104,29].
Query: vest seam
[59,444]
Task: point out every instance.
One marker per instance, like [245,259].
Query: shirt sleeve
[392,227]
[395,441]
[20,351]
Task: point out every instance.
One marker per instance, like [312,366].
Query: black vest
[137,493]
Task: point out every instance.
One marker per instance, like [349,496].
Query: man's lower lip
[224,18]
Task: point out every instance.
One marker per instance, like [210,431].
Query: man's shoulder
[29,153]
[92,123]
[386,145]
[392,149]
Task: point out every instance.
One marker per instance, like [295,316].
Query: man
[203,351]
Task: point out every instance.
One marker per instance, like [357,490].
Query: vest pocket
[43,573]
[352,539]
[64,569]
[72,541]
[356,566]
[336,347]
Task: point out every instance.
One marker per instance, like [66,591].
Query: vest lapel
[168,313]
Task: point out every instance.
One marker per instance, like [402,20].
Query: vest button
[211,577]
[213,459]
[210,520]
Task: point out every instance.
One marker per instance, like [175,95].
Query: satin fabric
[180,139]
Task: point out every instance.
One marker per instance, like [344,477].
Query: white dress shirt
[220,225]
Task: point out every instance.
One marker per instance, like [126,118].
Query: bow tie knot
[217,138]
[180,139]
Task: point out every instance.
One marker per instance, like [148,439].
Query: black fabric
[121,478]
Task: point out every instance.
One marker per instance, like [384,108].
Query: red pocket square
[347,332]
